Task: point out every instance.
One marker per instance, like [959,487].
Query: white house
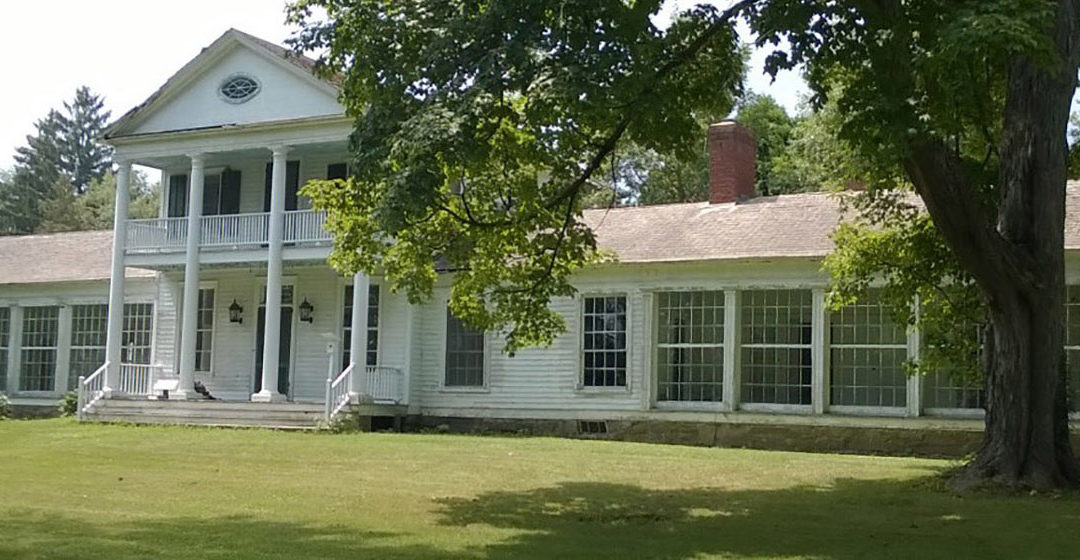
[713,314]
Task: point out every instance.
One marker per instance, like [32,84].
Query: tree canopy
[63,153]
[479,124]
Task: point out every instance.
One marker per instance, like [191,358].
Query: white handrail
[156,234]
[230,230]
[337,393]
[305,226]
[91,388]
[137,379]
[384,384]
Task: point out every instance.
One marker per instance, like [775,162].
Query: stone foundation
[920,440]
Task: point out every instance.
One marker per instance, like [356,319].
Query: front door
[285,352]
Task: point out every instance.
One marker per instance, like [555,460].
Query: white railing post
[82,398]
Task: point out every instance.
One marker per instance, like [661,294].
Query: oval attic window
[238,88]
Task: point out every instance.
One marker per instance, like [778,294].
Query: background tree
[93,209]
[772,126]
[62,151]
[478,126]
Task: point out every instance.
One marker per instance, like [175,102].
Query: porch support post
[115,325]
[272,332]
[190,318]
[358,335]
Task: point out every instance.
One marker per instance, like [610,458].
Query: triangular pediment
[286,89]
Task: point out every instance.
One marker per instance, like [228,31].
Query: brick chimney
[732,162]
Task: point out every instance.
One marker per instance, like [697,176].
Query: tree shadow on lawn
[31,535]
[849,519]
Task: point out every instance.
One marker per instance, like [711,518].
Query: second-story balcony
[224,232]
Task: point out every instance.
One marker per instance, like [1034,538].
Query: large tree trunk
[1018,264]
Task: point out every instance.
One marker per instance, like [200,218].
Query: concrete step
[212,413]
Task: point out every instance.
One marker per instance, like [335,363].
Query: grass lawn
[97,491]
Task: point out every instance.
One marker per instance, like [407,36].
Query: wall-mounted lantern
[236,313]
[306,310]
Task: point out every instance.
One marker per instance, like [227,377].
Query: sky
[125,49]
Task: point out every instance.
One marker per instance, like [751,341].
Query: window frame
[444,347]
[73,375]
[720,348]
[740,374]
[56,348]
[832,345]
[210,285]
[346,331]
[6,332]
[579,383]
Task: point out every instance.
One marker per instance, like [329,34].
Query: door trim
[257,294]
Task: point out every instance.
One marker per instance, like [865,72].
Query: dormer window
[239,88]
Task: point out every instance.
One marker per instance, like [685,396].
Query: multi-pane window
[5,333]
[204,330]
[135,345]
[690,346]
[944,390]
[867,354]
[40,335]
[89,330]
[372,357]
[775,350]
[1072,345]
[464,354]
[604,344]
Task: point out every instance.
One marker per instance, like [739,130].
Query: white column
[731,350]
[272,331]
[190,317]
[358,339]
[410,322]
[819,392]
[115,325]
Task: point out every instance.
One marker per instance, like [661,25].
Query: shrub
[5,407]
[69,403]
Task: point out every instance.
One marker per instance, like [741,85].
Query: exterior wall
[63,295]
[232,374]
[542,382]
[284,95]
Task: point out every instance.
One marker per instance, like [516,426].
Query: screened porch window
[138,333]
[89,330]
[604,344]
[40,335]
[464,354]
[690,346]
[204,331]
[943,390]
[5,334]
[372,357]
[1072,345]
[867,354]
[776,346]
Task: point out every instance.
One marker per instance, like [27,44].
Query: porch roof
[59,257]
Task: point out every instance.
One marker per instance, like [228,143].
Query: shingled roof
[59,257]
[785,226]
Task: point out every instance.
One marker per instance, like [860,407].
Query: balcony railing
[226,231]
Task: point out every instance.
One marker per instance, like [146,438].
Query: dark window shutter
[292,185]
[230,191]
[268,186]
[177,205]
[337,171]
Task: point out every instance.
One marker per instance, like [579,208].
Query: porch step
[208,413]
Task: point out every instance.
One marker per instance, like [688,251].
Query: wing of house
[714,311]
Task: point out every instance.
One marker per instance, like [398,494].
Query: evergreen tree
[63,150]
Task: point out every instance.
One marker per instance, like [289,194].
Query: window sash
[776,350]
[866,356]
[204,331]
[604,344]
[465,354]
[138,333]
[5,334]
[89,331]
[372,342]
[40,342]
[690,346]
